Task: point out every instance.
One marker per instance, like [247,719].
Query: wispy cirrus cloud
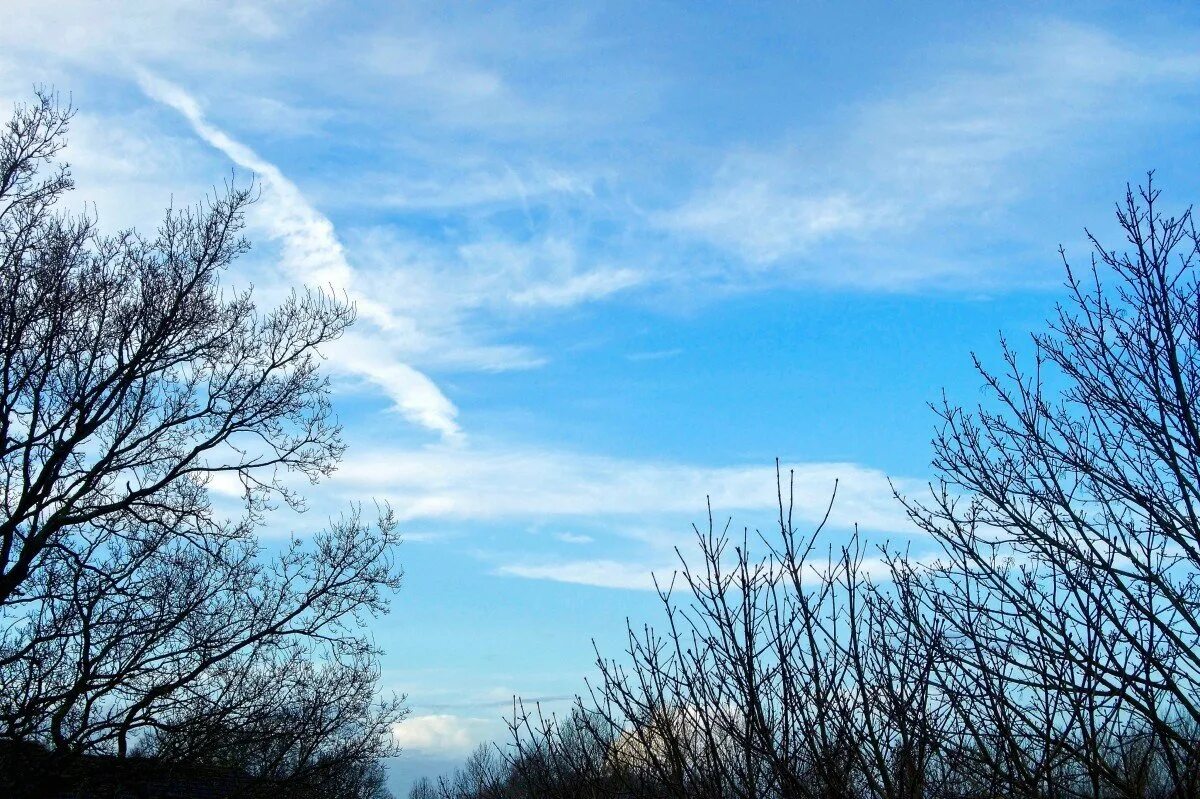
[635,512]
[479,483]
[578,288]
[313,255]
[479,185]
[967,141]
[846,202]
[601,573]
[663,574]
[87,32]
[459,296]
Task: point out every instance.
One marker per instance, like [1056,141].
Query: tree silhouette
[134,614]
[1068,513]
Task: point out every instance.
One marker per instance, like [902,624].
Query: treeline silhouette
[1050,647]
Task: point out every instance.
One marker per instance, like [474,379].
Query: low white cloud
[442,733]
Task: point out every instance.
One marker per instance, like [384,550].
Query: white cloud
[654,355]
[442,733]
[574,538]
[423,62]
[490,112]
[416,396]
[543,272]
[467,483]
[601,573]
[642,575]
[311,248]
[748,210]
[422,538]
[130,172]
[96,34]
[578,288]
[459,297]
[966,142]
[466,70]
[313,255]
[480,184]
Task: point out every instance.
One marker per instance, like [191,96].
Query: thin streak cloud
[314,255]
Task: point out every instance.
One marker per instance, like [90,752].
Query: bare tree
[1068,513]
[787,674]
[132,612]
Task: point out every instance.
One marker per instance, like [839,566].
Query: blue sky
[612,258]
